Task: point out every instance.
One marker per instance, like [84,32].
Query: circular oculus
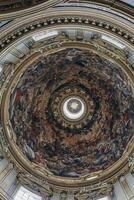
[73,108]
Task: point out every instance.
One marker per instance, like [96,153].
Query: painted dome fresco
[72,112]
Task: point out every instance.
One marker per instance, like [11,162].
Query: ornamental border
[65,20]
[27,11]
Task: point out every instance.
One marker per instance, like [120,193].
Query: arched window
[131,2]
[24,194]
[105,198]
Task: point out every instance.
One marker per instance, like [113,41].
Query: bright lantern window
[24,194]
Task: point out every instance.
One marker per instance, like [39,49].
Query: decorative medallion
[71,106]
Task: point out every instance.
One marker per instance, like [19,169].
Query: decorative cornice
[64,20]
[116,5]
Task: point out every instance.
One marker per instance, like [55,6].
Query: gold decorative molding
[24,10]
